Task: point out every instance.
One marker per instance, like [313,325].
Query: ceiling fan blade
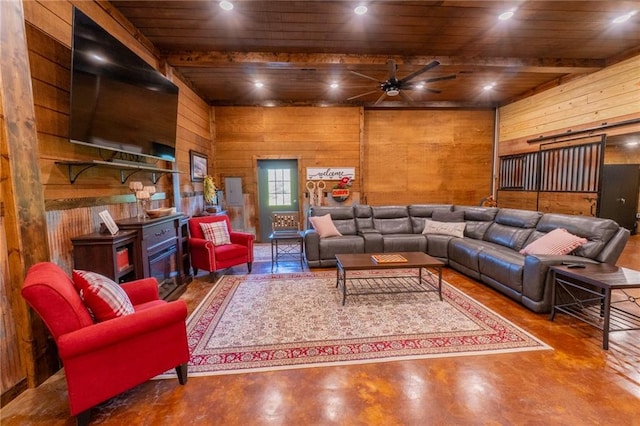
[392,67]
[406,97]
[433,90]
[380,98]
[414,74]
[363,94]
[446,77]
[366,76]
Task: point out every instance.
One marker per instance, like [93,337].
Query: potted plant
[210,194]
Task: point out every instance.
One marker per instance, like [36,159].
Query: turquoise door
[277,191]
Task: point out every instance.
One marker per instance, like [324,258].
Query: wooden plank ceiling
[297,49]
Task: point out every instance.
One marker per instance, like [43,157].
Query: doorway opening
[277,191]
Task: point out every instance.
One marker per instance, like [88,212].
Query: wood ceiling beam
[213,59]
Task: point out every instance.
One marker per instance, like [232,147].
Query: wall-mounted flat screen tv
[118,101]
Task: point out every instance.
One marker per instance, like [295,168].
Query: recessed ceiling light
[259,84]
[420,86]
[334,85]
[507,15]
[489,86]
[226,5]
[360,10]
[624,18]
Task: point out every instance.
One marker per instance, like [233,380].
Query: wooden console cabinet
[155,248]
[100,253]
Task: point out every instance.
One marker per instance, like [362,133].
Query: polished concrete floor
[577,383]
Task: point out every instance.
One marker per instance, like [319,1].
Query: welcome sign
[330,173]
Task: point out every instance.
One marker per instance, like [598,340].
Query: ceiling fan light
[506,15]
[226,5]
[393,92]
[360,10]
[625,17]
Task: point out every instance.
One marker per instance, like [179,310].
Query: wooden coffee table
[420,281]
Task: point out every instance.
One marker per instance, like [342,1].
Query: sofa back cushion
[392,219]
[512,228]
[478,220]
[363,216]
[342,217]
[420,212]
[597,231]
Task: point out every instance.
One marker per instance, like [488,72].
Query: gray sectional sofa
[488,250]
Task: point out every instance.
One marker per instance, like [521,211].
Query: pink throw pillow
[557,242]
[102,296]
[216,232]
[324,226]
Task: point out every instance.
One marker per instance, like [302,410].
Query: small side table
[286,244]
[585,294]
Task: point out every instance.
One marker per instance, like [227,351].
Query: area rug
[262,252]
[260,322]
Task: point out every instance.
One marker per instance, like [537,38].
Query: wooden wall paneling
[607,96]
[576,203]
[318,137]
[56,23]
[525,200]
[428,156]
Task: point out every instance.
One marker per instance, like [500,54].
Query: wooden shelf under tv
[76,168]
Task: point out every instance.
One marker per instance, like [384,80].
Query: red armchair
[104,359]
[205,255]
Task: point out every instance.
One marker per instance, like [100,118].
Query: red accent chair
[204,255]
[103,359]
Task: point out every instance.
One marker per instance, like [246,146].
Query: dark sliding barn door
[619,196]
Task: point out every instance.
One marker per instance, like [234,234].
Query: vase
[142,209]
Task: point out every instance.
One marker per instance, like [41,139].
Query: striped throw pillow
[216,232]
[557,242]
[104,298]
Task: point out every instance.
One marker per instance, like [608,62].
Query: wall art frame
[199,165]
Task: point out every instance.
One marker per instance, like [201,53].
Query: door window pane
[279,182]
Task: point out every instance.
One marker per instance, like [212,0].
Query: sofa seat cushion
[230,251]
[438,245]
[465,252]
[331,246]
[404,242]
[503,265]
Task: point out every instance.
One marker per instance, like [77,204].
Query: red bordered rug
[263,322]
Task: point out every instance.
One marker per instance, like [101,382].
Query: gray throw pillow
[441,215]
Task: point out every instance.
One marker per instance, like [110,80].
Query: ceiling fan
[394,87]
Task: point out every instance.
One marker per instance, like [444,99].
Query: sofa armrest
[107,333]
[537,285]
[243,238]
[141,291]
[373,241]
[311,245]
[200,244]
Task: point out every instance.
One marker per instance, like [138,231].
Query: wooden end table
[585,294]
[287,244]
[398,284]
